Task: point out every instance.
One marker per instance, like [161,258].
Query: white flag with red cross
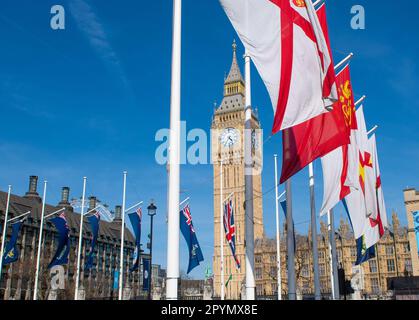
[285,40]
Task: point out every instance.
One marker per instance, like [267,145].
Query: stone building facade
[17,280]
[411,200]
[392,259]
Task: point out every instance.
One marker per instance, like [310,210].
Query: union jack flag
[230,229]
[62,216]
[187,213]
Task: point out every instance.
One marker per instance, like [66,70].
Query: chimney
[118,215]
[65,196]
[33,185]
[92,203]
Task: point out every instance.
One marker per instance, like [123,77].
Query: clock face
[229,137]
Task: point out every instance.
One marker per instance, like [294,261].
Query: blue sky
[89,99]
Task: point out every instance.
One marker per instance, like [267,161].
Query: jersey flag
[284,39]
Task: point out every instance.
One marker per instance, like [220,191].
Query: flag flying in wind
[188,231]
[136,219]
[335,164]
[146,274]
[314,138]
[284,39]
[94,225]
[63,248]
[230,229]
[11,252]
[362,253]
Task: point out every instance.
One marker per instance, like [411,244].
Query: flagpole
[221,232]
[174,159]
[317,295]
[278,235]
[38,257]
[248,165]
[290,243]
[3,238]
[360,100]
[76,292]
[121,255]
[332,254]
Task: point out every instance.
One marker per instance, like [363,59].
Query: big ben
[228,153]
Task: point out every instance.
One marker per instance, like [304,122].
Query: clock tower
[228,145]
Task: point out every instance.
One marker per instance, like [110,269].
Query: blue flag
[362,253]
[136,219]
[284,207]
[115,280]
[11,253]
[63,248]
[146,274]
[94,225]
[188,231]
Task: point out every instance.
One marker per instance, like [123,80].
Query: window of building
[373,266]
[375,287]
[305,272]
[390,265]
[406,247]
[259,290]
[353,251]
[389,250]
[272,272]
[258,273]
[408,265]
[273,258]
[258,258]
[322,269]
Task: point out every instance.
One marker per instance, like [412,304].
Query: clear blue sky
[88,100]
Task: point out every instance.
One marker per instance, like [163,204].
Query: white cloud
[90,24]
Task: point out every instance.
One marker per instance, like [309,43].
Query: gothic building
[17,280]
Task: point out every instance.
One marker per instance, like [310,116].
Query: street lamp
[151,212]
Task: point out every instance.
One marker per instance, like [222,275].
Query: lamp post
[151,212]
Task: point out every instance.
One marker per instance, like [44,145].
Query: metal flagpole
[221,232]
[290,243]
[76,292]
[332,250]
[174,159]
[38,257]
[317,295]
[278,235]
[248,166]
[121,255]
[3,238]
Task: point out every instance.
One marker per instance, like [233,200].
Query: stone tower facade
[228,146]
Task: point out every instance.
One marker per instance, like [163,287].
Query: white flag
[286,43]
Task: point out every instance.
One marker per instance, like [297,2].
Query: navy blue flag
[63,248]
[136,219]
[94,225]
[146,274]
[188,231]
[11,253]
[362,253]
[230,229]
[284,207]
